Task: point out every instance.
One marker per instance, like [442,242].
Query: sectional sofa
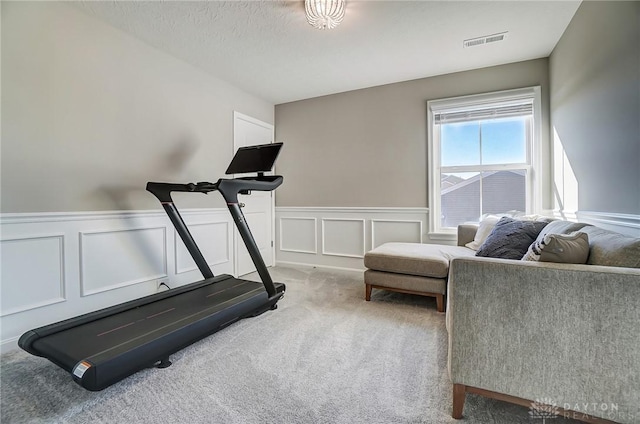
[558,338]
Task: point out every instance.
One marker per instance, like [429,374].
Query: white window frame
[478,101]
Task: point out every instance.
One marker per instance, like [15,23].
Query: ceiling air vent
[484,40]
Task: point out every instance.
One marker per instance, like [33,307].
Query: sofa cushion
[612,249]
[510,238]
[561,248]
[428,260]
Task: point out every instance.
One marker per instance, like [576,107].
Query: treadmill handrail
[229,188]
[163,190]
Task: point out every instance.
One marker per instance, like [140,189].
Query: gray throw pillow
[560,248]
[510,238]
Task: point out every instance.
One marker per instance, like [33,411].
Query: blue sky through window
[503,141]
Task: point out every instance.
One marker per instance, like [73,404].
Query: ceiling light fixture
[324,14]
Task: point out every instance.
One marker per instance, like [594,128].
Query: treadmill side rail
[25,342]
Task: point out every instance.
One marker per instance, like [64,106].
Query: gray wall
[595,105]
[90,114]
[369,147]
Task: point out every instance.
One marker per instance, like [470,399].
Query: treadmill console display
[254,159]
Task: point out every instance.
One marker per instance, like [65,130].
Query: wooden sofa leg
[440,302]
[459,391]
[367,293]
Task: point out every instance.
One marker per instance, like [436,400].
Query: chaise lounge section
[414,268]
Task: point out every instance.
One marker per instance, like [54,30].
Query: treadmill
[103,347]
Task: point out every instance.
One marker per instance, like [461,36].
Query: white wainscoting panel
[59,265]
[114,259]
[298,234]
[214,241]
[345,234]
[259,225]
[45,273]
[343,237]
[388,230]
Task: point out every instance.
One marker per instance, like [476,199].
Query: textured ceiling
[268,49]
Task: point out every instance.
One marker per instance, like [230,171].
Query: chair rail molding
[623,223]
[628,224]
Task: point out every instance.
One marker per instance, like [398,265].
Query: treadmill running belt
[115,346]
[150,320]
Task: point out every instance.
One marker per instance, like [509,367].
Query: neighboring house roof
[453,182]
[464,202]
[450,181]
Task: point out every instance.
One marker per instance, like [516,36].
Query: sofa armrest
[568,333]
[466,233]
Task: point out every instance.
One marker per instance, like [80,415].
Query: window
[482,151]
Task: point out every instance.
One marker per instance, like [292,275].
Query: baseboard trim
[9,345]
[339,268]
